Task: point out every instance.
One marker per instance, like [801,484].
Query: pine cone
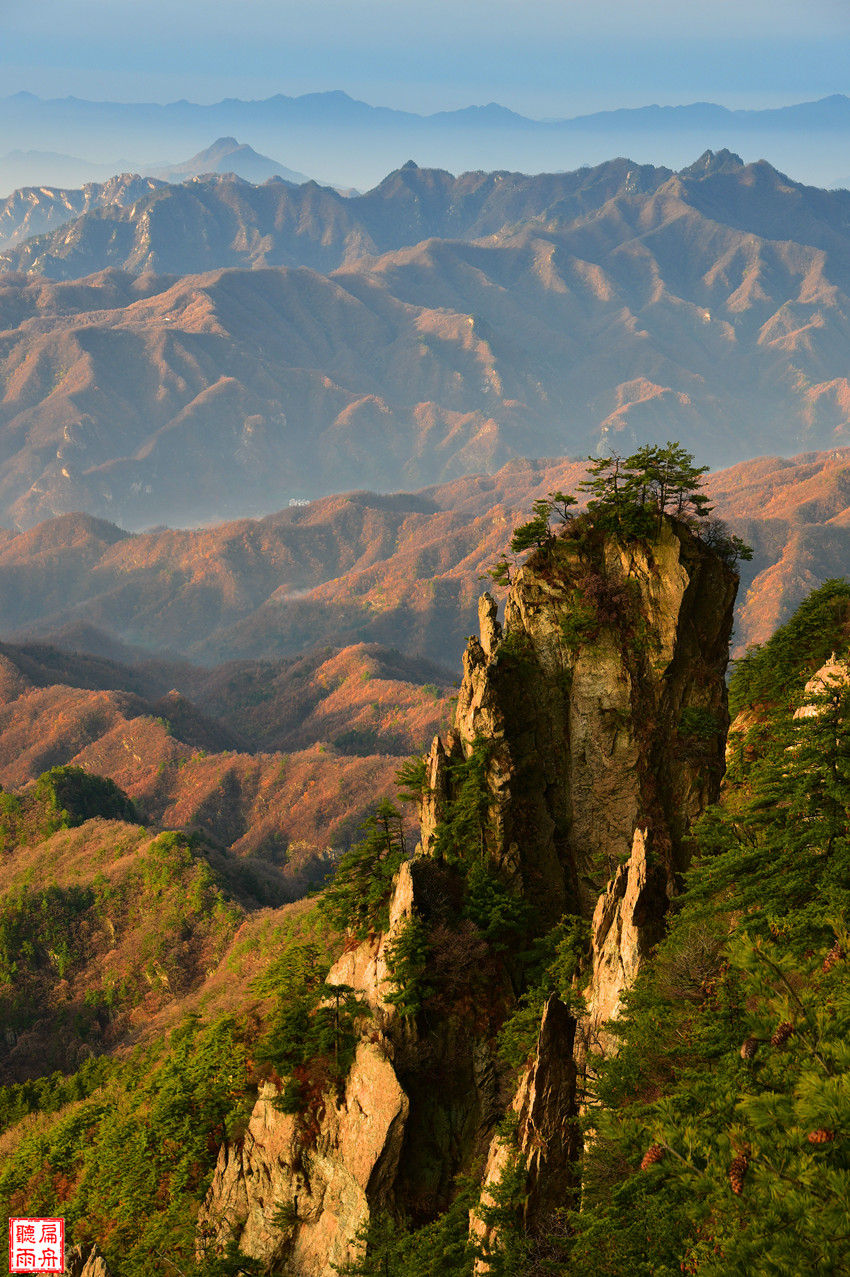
[821,1136]
[737,1171]
[749,1046]
[782,1033]
[836,954]
[652,1155]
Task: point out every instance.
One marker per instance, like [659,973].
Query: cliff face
[296,1189]
[598,712]
[603,704]
[296,1193]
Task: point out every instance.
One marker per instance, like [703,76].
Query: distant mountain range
[333,136]
[430,328]
[21,171]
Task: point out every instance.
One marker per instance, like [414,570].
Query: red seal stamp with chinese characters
[36,1245]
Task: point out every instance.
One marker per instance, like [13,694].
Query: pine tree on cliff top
[629,496]
[669,480]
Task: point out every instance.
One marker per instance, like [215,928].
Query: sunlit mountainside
[276,760]
[434,327]
[402,570]
[350,921]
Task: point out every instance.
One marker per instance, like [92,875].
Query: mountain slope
[403,570]
[277,760]
[624,309]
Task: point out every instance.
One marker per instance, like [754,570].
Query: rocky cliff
[593,723]
[295,1195]
[601,703]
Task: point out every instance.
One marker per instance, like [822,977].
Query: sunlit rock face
[86,1261]
[603,702]
[599,706]
[325,1186]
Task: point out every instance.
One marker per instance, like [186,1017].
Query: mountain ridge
[402,570]
[432,327]
[832,106]
[333,133]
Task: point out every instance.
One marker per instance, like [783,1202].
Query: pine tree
[783,853]
[461,836]
[617,497]
[358,897]
[630,495]
[666,479]
[407,965]
[536,533]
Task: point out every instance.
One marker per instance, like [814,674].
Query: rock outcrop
[829,681]
[544,1133]
[603,709]
[597,717]
[626,926]
[86,1261]
[303,1201]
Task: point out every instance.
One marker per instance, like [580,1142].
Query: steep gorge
[593,723]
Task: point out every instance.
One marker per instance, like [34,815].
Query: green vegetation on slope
[125,1149]
[155,904]
[722,1145]
[718,1138]
[127,1163]
[771,674]
[61,798]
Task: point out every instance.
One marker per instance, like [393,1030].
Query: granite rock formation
[86,1261]
[599,710]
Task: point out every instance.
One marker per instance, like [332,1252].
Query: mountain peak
[228,155]
[722,161]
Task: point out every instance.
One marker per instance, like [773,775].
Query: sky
[543,58]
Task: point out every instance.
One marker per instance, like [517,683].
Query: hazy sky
[547,58]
